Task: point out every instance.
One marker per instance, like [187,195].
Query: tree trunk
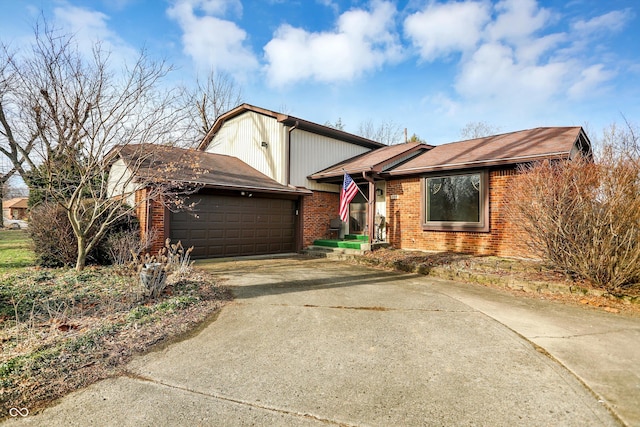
[1,206]
[81,260]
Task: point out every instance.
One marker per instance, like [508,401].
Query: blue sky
[429,66]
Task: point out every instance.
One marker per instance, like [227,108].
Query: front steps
[352,245]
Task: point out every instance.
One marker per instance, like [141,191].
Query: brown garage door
[236,226]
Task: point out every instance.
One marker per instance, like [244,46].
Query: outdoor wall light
[265,144]
[379,192]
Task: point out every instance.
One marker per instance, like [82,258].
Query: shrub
[125,246]
[54,240]
[583,217]
[154,270]
[52,235]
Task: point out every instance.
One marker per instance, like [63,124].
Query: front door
[358,215]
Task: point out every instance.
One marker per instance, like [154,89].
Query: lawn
[61,330]
[15,250]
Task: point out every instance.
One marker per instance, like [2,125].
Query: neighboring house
[15,208]
[269,183]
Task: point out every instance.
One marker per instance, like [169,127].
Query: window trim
[481,226]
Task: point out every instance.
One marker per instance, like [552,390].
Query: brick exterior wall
[317,211]
[152,216]
[404,229]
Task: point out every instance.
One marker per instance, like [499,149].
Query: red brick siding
[152,216]
[405,230]
[317,211]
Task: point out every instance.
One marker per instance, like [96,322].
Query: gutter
[494,162]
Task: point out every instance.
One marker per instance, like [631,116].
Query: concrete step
[343,244]
[334,253]
[360,237]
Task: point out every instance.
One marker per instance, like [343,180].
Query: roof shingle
[165,163]
[509,148]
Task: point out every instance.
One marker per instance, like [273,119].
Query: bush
[583,217]
[54,240]
[52,235]
[125,246]
[154,270]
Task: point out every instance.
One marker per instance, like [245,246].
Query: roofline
[512,132]
[296,190]
[475,164]
[377,168]
[287,121]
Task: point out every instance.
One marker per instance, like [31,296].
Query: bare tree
[71,111]
[339,125]
[387,132]
[624,140]
[16,142]
[474,130]
[212,96]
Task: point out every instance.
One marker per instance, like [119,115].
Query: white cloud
[508,57]
[362,41]
[517,20]
[440,29]
[330,4]
[443,105]
[589,80]
[531,51]
[493,73]
[611,21]
[213,42]
[90,26]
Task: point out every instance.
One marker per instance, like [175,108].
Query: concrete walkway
[314,342]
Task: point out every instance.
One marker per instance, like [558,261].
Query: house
[453,197]
[252,169]
[15,208]
[266,183]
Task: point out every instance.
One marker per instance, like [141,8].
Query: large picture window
[456,202]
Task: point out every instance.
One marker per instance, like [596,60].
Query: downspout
[300,206]
[288,148]
[371,206]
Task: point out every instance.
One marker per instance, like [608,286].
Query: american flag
[349,191]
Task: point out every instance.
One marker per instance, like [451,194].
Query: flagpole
[357,186]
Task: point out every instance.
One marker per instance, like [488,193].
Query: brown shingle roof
[375,161]
[165,163]
[17,203]
[509,148]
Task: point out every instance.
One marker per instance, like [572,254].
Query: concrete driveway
[317,342]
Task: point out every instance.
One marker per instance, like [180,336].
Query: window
[456,202]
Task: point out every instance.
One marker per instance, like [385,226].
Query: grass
[61,330]
[15,250]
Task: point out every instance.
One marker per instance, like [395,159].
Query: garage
[234,225]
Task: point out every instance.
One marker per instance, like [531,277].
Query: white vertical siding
[311,153]
[242,137]
[120,182]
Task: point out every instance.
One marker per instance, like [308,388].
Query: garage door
[236,226]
